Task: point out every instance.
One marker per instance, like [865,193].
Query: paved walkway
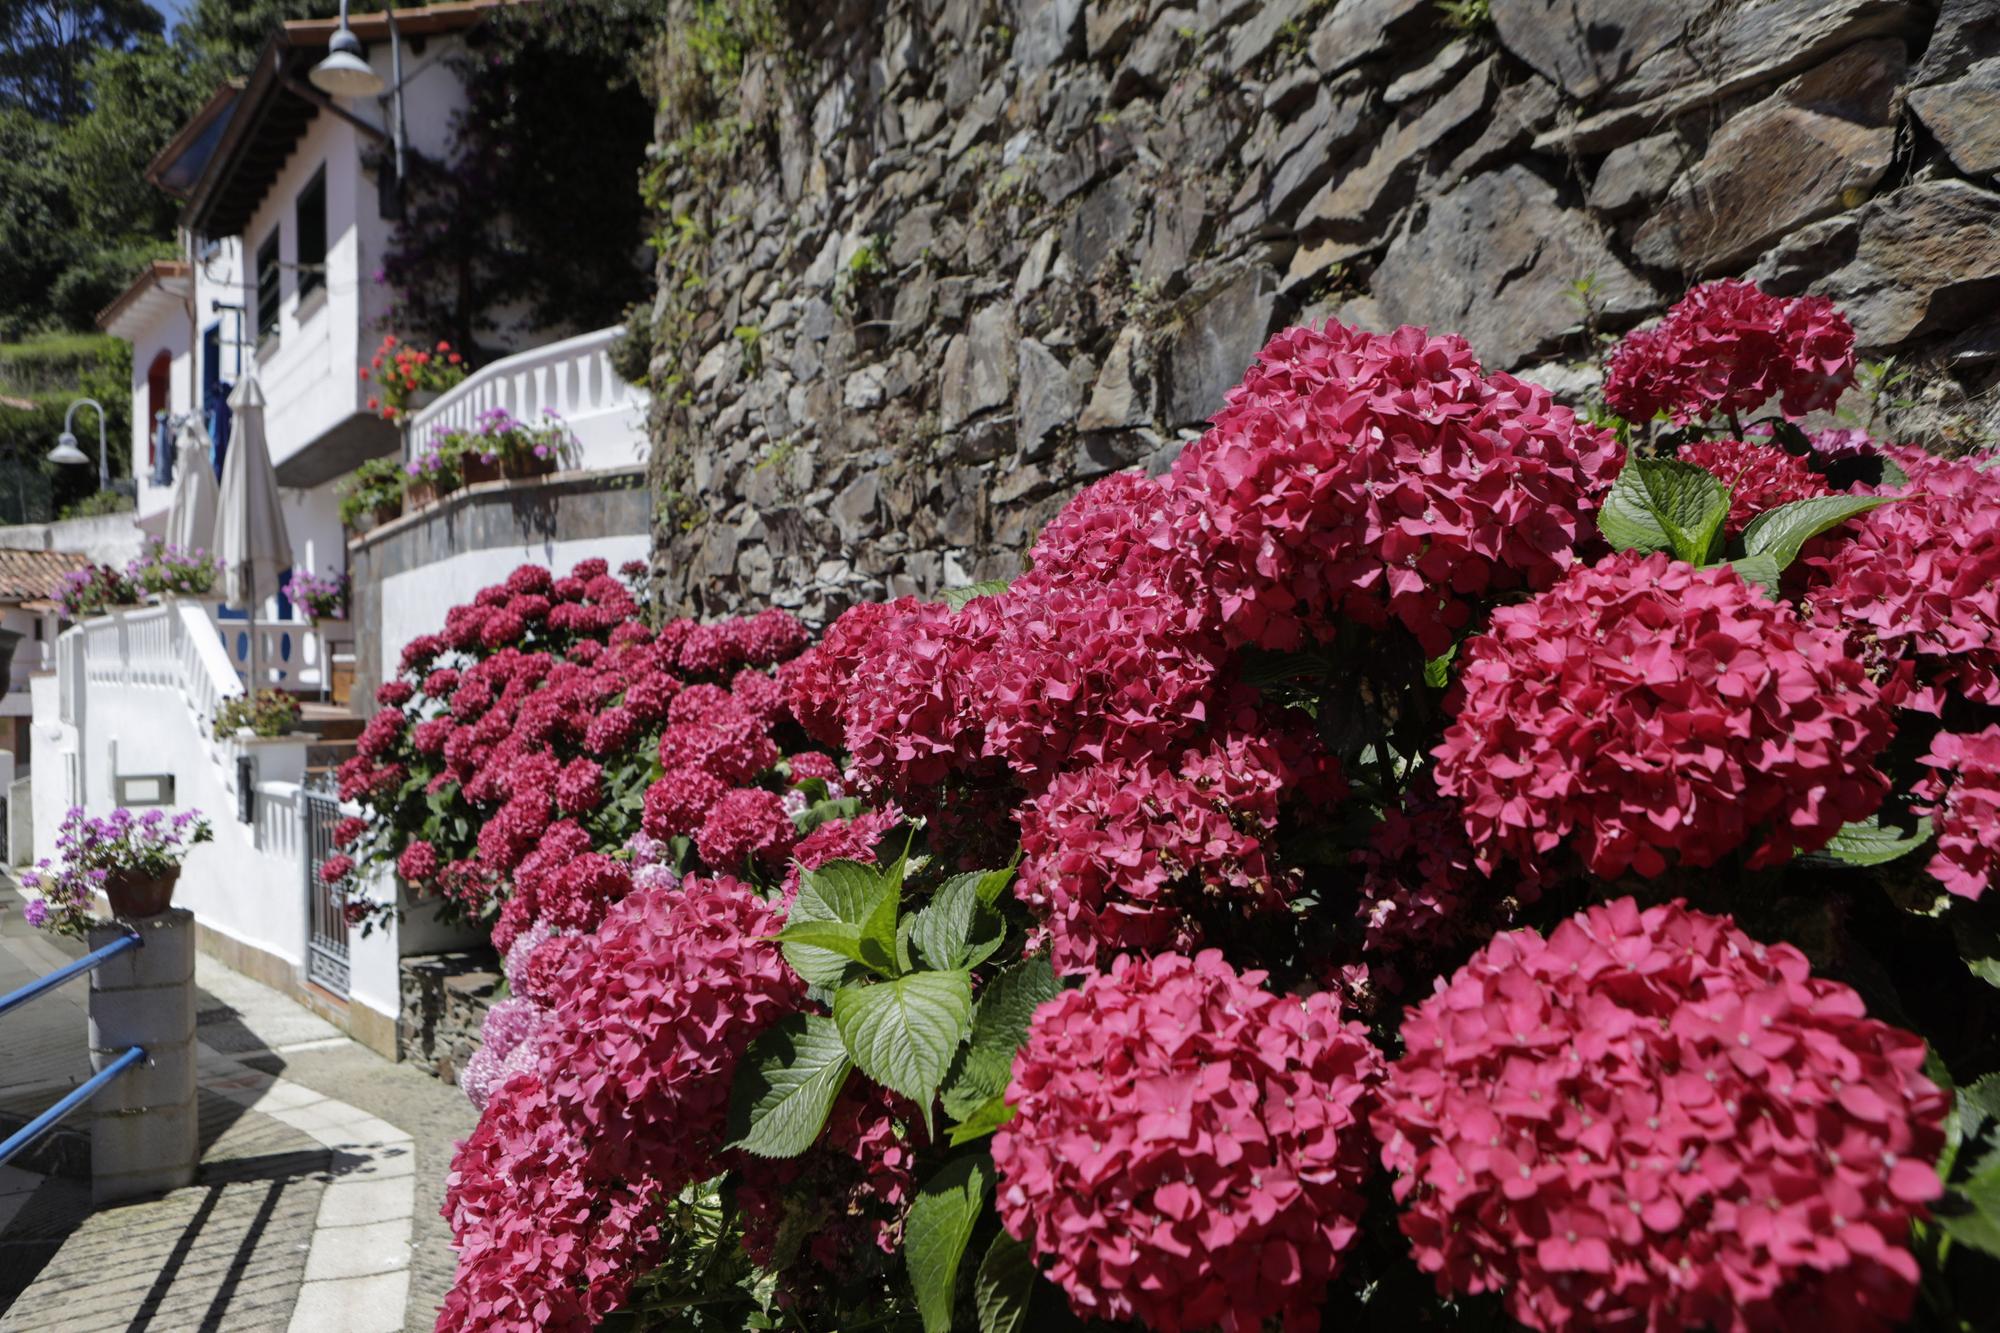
[316,1208]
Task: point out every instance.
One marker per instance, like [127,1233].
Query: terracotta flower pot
[478,470]
[388,512]
[527,467]
[135,895]
[418,494]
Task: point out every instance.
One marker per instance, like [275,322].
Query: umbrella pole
[250,596]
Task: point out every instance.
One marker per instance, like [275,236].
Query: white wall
[251,895]
[109,539]
[414,603]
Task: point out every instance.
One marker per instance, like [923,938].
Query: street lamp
[67,452]
[344,73]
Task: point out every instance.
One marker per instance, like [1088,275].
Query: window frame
[310,279]
[269,303]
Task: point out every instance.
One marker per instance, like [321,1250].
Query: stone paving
[315,1210]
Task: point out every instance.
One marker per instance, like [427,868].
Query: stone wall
[445,999]
[927,265]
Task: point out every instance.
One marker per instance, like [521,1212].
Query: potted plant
[373,492]
[134,859]
[263,715]
[320,596]
[429,477]
[166,570]
[517,450]
[95,589]
[409,376]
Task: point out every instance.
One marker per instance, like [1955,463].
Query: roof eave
[265,79]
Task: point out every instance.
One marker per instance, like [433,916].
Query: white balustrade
[572,378]
[277,830]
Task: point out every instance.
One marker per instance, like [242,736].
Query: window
[309,226]
[267,287]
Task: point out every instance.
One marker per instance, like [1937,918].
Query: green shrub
[268,713]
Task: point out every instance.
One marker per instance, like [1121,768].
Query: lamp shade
[66,450]
[344,73]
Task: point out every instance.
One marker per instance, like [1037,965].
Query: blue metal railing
[83,1091]
[122,944]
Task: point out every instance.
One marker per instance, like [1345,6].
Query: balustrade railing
[277,822]
[572,378]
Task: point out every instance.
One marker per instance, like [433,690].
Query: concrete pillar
[144,1131]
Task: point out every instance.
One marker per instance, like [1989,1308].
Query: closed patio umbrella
[191,518]
[250,534]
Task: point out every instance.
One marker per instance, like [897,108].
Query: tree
[232,32]
[46,45]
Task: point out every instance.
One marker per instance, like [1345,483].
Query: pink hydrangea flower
[1964,800]
[1759,476]
[418,863]
[1651,1120]
[1188,1149]
[1645,711]
[1917,582]
[1726,349]
[1149,856]
[746,822]
[1382,477]
[679,802]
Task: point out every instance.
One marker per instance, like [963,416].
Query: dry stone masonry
[929,265]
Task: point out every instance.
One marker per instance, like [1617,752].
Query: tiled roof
[30,576]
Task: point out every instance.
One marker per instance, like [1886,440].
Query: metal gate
[326,924]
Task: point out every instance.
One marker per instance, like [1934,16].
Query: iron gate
[326,924]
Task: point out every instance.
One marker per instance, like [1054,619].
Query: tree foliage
[537,206]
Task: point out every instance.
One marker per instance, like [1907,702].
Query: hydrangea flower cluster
[1378,552]
[1644,711]
[1965,802]
[1726,349]
[1917,582]
[1188,1149]
[553,1199]
[1759,476]
[540,699]
[1649,1119]
[1376,477]
[859,1176]
[1144,856]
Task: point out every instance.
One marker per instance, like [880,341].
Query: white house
[289,198]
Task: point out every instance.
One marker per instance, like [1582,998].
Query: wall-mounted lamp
[345,72]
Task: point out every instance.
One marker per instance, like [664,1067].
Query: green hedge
[52,371]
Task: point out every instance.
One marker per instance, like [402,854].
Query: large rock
[1927,260]
[978,371]
[1355,30]
[1956,89]
[1587,46]
[1357,200]
[1097,231]
[1496,261]
[1819,144]
[1048,399]
[1218,339]
[1734,49]
[1636,173]
[1120,399]
[1048,31]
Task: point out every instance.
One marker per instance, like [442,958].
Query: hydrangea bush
[1429,860]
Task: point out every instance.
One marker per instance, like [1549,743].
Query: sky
[172,9]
